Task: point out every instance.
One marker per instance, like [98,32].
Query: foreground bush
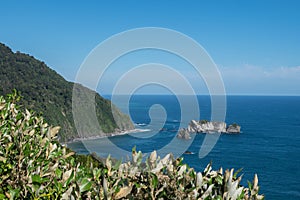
[33,165]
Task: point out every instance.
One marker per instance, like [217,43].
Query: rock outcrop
[204,126]
[184,134]
[234,128]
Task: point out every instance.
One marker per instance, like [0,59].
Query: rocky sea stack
[204,126]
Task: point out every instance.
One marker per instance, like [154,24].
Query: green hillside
[50,94]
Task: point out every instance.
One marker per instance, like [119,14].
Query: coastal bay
[268,135]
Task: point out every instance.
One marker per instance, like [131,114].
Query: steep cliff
[48,93]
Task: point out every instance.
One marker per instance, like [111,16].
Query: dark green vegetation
[235,125]
[50,94]
[203,121]
[33,165]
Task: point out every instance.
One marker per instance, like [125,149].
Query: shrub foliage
[33,165]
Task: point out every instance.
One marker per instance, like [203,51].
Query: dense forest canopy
[48,93]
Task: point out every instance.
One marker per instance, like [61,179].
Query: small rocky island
[204,126]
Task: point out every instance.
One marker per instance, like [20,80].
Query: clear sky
[255,44]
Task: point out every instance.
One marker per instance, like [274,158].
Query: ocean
[268,145]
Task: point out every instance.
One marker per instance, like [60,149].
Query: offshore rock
[234,128]
[184,134]
[204,126]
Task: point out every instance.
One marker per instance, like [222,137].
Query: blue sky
[255,44]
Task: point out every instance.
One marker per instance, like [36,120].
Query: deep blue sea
[269,144]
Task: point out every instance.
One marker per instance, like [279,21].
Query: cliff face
[48,93]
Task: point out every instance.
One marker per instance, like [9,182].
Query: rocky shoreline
[204,126]
[107,135]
